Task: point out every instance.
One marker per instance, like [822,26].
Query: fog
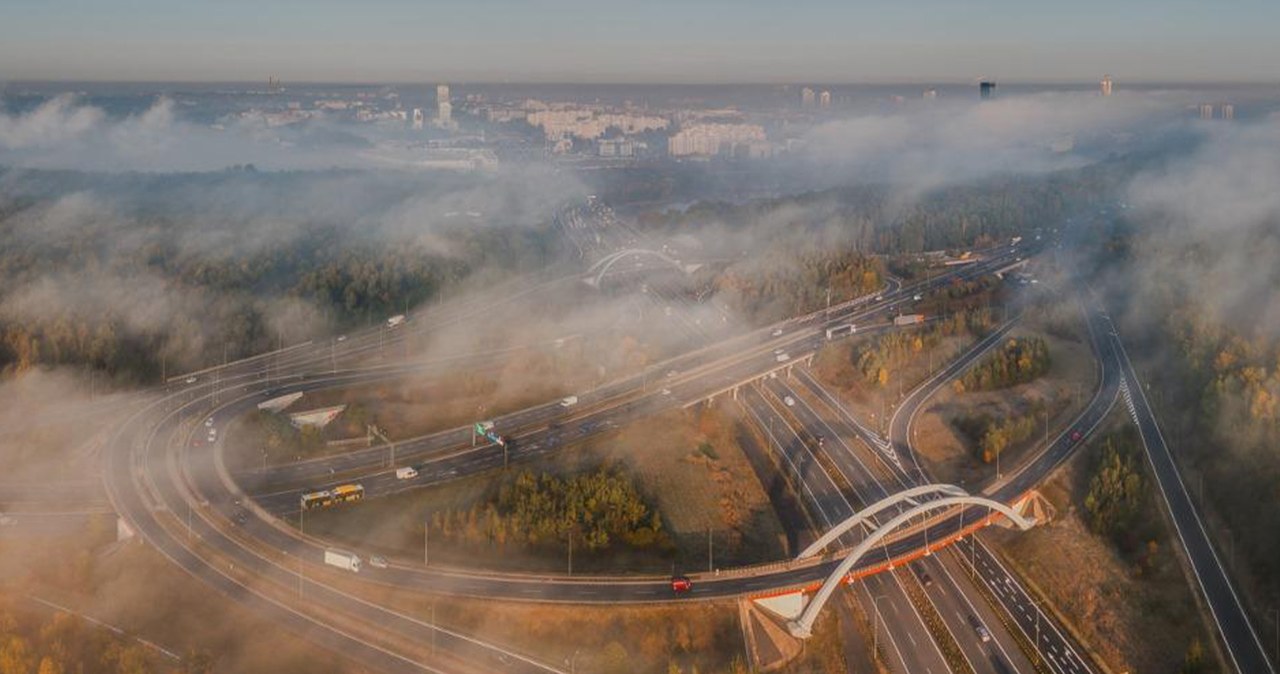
[923,144]
[1209,225]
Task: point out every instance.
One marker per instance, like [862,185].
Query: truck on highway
[398,319]
[347,561]
[569,401]
[846,329]
[406,473]
[908,319]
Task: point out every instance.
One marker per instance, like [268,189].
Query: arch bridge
[948,496]
[604,264]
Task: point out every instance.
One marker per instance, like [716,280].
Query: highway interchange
[179,496]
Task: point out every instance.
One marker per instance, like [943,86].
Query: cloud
[64,133]
[927,143]
[1210,224]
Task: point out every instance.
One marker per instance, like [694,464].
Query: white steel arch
[802,627]
[875,508]
[602,266]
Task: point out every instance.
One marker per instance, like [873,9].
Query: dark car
[925,579]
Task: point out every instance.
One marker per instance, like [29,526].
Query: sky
[640,41]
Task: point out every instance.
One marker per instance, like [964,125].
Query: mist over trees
[135,274]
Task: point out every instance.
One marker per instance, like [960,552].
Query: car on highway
[378,561]
[681,584]
[979,628]
[190,380]
[342,338]
[791,402]
[777,332]
[666,391]
[208,422]
[1076,435]
[925,579]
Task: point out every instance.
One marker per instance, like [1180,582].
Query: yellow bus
[347,493]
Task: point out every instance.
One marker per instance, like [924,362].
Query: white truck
[348,561]
[406,473]
[398,319]
[569,401]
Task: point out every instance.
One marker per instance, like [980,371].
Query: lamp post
[875,631]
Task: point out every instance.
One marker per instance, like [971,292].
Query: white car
[777,332]
[666,391]
[190,380]
[342,338]
[378,562]
[791,402]
[209,422]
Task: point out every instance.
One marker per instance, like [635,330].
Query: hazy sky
[640,40]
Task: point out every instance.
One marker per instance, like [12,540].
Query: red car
[1076,436]
[681,584]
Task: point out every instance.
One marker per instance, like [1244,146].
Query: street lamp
[1036,644]
[875,631]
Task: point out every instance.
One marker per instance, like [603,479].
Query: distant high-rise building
[985,87]
[444,109]
[417,119]
[1106,85]
[806,97]
[824,99]
[930,94]
[1228,111]
[1206,111]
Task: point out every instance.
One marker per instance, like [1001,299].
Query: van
[406,473]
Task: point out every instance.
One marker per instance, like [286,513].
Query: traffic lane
[913,645]
[1036,626]
[1243,645]
[278,569]
[807,342]
[943,587]
[1002,651]
[118,475]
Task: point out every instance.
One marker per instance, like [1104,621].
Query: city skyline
[663,42]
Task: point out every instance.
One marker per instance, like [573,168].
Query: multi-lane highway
[195,480]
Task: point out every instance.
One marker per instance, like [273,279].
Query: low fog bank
[123,271]
[51,424]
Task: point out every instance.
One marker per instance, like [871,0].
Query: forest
[991,436]
[138,276]
[67,644]
[1018,361]
[790,280]
[599,510]
[877,219]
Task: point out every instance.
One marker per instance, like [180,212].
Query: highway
[1054,645]
[154,472]
[1243,647]
[951,597]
